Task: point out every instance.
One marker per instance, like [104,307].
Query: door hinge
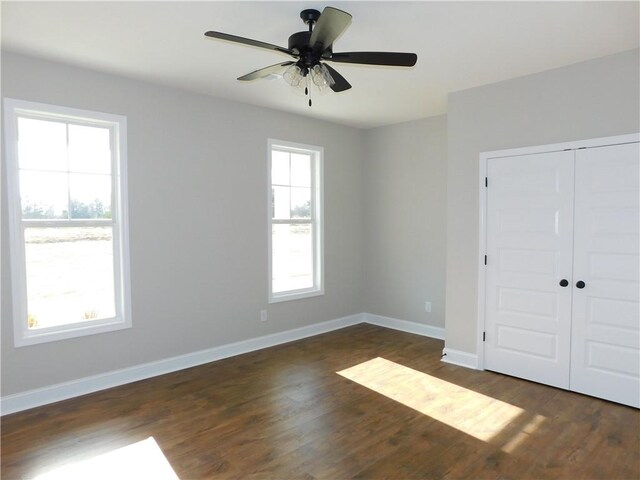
[486,181]
[485,259]
[484,336]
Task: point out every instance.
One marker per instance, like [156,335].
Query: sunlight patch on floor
[139,460]
[468,411]
[524,433]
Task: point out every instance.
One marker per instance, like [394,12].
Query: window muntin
[66,171]
[295,221]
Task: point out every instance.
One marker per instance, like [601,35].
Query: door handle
[580,284]
[564,282]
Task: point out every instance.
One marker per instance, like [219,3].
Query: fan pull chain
[307,91]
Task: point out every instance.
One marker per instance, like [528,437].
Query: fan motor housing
[299,41]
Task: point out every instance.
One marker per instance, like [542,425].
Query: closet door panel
[605,349]
[529,248]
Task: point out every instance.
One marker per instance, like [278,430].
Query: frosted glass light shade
[293,75]
[321,76]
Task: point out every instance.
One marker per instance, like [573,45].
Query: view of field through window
[65,178]
[292,257]
[292,227]
[69,275]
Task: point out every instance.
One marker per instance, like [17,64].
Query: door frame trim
[482,230]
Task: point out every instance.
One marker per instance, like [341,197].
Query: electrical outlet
[427,307]
[263,315]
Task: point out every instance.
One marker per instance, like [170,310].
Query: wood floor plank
[286,412]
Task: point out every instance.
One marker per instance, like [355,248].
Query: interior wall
[198,223]
[197,182]
[404,175]
[591,99]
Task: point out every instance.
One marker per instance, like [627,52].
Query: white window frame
[317,217]
[13,109]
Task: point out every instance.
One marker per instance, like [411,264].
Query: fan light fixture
[312,48]
[293,75]
[321,76]
[296,76]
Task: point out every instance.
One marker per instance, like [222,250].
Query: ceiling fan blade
[394,59]
[330,25]
[265,72]
[248,41]
[341,83]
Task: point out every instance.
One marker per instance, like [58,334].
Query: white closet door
[605,357]
[529,248]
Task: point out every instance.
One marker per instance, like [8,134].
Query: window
[66,179]
[295,221]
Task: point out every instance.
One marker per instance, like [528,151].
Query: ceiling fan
[312,48]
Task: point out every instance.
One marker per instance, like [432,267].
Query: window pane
[281,202]
[90,195]
[42,145]
[300,202]
[44,194]
[292,257]
[300,170]
[279,168]
[69,275]
[89,149]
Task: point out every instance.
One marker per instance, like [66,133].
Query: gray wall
[586,100]
[198,226]
[197,181]
[404,227]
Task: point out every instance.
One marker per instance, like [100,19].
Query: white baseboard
[460,358]
[82,386]
[62,391]
[405,326]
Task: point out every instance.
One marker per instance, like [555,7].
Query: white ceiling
[459,45]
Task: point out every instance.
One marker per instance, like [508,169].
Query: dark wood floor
[285,413]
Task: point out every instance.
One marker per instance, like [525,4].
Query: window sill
[287,296]
[53,334]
